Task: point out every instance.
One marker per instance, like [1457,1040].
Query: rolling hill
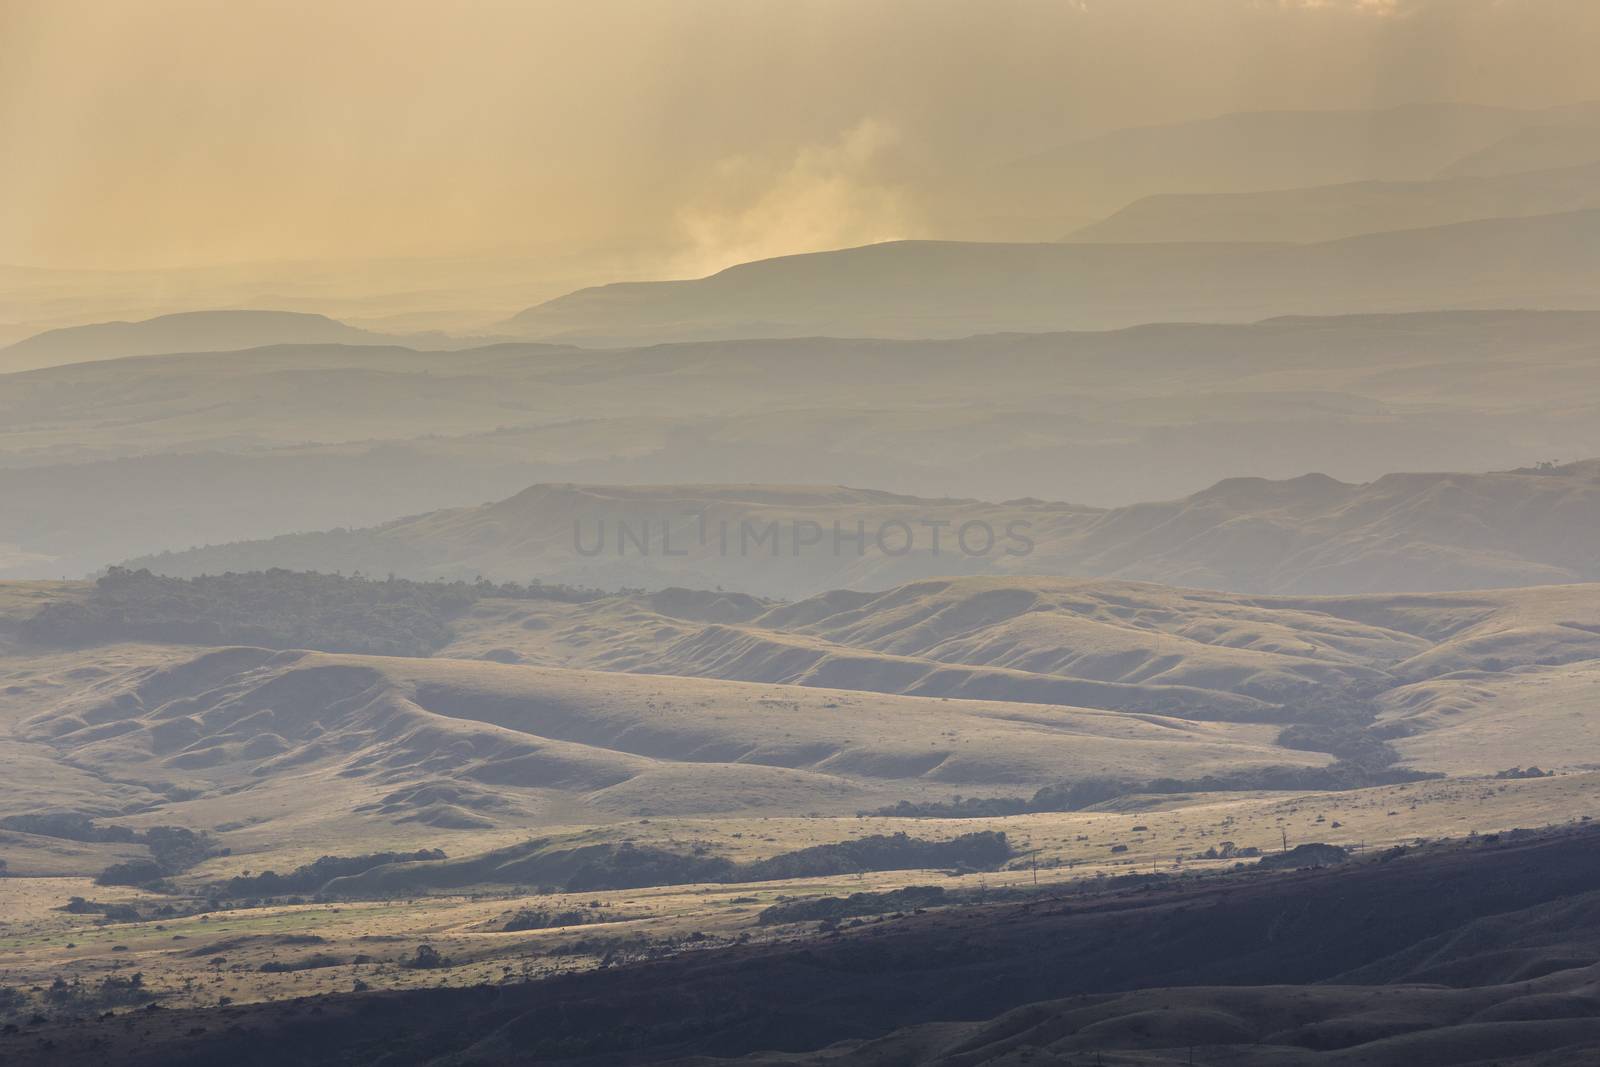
[561,715]
[1462,682]
[551,711]
[1113,645]
[655,776]
[307,740]
[596,702]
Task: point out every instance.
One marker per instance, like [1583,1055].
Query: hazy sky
[144,133]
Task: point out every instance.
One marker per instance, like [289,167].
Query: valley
[800,535]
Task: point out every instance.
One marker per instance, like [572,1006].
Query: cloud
[689,135]
[1366,7]
[828,195]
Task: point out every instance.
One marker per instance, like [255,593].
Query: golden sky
[157,133]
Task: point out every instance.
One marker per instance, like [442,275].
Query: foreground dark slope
[1310,535]
[1217,955]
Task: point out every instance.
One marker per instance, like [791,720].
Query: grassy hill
[575,709]
[1004,684]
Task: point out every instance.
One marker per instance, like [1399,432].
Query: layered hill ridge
[207,450]
[1308,535]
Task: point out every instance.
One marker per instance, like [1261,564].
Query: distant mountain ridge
[1333,212]
[1308,535]
[942,289]
[1563,144]
[225,330]
[1250,151]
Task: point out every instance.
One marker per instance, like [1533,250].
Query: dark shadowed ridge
[1422,532]
[1157,968]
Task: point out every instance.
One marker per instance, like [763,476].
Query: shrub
[133,872]
[535,919]
[426,959]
